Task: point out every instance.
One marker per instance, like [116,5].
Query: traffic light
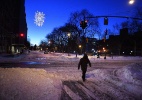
[105,21]
[83,24]
[21,35]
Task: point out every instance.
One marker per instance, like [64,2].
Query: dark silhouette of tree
[91,29]
[43,45]
[60,34]
[35,47]
[92,23]
[134,25]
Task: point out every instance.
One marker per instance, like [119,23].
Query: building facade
[125,43]
[13,26]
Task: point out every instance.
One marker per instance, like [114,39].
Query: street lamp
[80,48]
[98,54]
[131,1]
[105,52]
[49,42]
[69,35]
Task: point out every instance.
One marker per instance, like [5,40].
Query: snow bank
[131,73]
[127,78]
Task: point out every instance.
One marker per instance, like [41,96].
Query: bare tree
[134,25]
[59,35]
[116,28]
[92,23]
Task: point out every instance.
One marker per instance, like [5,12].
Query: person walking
[83,63]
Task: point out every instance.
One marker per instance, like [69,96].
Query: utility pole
[83,25]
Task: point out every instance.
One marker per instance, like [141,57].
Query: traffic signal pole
[106,20]
[136,18]
[83,25]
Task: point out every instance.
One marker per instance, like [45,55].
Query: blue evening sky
[57,12]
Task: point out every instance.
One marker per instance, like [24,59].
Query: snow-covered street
[55,76]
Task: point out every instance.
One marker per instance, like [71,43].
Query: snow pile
[127,78]
[131,73]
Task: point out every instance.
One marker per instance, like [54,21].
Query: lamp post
[98,54]
[69,35]
[49,42]
[104,52]
[80,48]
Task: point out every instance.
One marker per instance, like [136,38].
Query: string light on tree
[39,18]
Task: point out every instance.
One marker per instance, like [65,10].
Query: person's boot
[83,80]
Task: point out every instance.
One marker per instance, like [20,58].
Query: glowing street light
[49,42]
[79,46]
[104,49]
[131,1]
[69,35]
[105,52]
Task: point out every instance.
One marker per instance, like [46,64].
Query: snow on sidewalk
[28,84]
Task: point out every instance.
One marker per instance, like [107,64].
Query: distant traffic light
[83,24]
[105,21]
[21,35]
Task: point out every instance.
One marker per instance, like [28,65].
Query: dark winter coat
[84,62]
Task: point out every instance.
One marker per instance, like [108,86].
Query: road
[59,78]
[34,59]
